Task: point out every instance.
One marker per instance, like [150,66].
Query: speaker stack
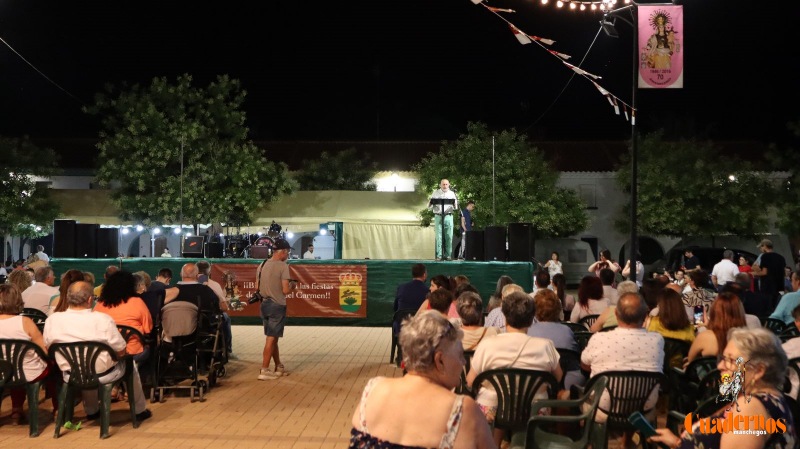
[192,246]
[474,248]
[520,242]
[494,243]
[107,242]
[64,238]
[215,250]
[86,240]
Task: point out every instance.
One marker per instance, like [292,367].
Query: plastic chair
[699,380]
[774,324]
[792,372]
[13,352]
[537,436]
[588,320]
[575,327]
[398,318]
[81,357]
[463,388]
[515,389]
[582,338]
[674,350]
[607,328]
[789,333]
[149,374]
[36,315]
[628,393]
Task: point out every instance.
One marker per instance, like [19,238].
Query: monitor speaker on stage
[520,242]
[214,250]
[259,252]
[494,243]
[86,240]
[192,246]
[63,238]
[107,242]
[474,248]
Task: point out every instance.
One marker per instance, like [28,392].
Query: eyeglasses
[730,361]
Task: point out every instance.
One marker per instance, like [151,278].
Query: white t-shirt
[596,307]
[512,350]
[725,271]
[308,255]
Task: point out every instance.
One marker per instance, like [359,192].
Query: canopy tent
[376,225]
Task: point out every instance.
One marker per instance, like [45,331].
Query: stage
[332,292]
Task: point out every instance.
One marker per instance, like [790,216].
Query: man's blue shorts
[273,316]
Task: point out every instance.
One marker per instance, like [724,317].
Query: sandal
[17,417]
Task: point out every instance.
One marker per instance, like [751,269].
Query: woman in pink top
[120,301]
[14,326]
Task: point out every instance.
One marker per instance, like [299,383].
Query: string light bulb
[544,2]
[559,3]
[572,5]
[583,7]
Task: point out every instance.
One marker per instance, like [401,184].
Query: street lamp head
[608,24]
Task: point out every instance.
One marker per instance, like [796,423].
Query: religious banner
[329,291]
[660,46]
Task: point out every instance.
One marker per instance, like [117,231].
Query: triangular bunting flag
[625,110]
[477,2]
[633,116]
[521,37]
[608,97]
[542,40]
[493,9]
[560,55]
[616,106]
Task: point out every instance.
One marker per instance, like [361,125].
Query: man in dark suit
[412,294]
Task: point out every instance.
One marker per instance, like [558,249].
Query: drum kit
[256,246]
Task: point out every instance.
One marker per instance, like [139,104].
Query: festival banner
[323,291]
[660,43]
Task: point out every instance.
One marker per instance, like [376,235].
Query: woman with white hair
[757,356]
[390,413]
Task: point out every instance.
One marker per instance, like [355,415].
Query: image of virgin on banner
[660,46]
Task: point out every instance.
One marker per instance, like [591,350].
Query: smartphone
[642,424]
[698,314]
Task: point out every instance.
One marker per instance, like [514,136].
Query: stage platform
[332,292]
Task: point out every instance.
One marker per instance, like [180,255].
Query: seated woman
[438,282]
[590,299]
[559,283]
[671,321]
[757,353]
[470,309]
[14,326]
[513,349]
[608,318]
[58,303]
[120,301]
[726,312]
[389,414]
[548,326]
[494,300]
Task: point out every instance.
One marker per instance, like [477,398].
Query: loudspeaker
[214,250]
[474,248]
[520,242]
[86,240]
[63,238]
[107,242]
[192,246]
[494,243]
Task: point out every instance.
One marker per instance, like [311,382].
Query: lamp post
[608,27]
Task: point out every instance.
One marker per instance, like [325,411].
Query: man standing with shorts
[274,285]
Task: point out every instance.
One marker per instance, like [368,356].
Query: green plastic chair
[36,315]
[398,318]
[575,327]
[691,386]
[775,325]
[582,338]
[515,389]
[146,367]
[14,351]
[81,357]
[463,388]
[539,434]
[588,320]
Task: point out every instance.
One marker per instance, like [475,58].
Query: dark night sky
[317,70]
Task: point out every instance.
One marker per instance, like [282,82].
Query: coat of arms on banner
[350,292]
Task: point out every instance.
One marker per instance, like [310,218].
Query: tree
[26,209]
[688,188]
[344,170]
[525,184]
[147,133]
[787,195]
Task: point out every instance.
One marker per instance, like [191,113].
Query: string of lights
[602,6]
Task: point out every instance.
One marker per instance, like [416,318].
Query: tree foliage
[26,209]
[343,170]
[787,195]
[146,131]
[525,185]
[688,188]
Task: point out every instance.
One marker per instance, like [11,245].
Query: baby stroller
[191,345]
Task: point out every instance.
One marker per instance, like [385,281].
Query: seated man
[629,347]
[792,348]
[38,295]
[80,323]
[190,290]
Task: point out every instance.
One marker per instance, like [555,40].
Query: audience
[512,349]
[699,292]
[470,310]
[38,295]
[792,348]
[411,295]
[15,326]
[788,302]
[607,278]
[121,302]
[608,317]
[58,303]
[390,415]
[548,325]
[20,279]
[726,312]
[590,299]
[671,321]
[496,318]
[760,399]
[567,300]
[494,300]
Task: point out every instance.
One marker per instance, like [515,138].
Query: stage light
[177,231]
[323,229]
[139,228]
[290,235]
[188,233]
[156,231]
[125,231]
